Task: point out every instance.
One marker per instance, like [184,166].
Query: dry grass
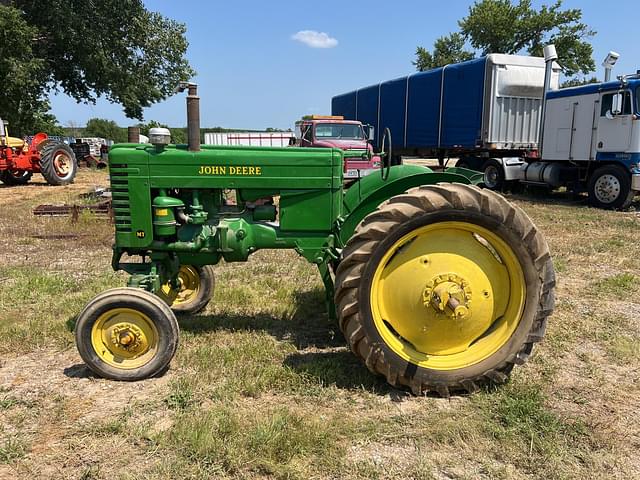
[263,387]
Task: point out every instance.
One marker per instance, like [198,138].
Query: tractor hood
[14,142]
[342,144]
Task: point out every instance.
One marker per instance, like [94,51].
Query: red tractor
[19,159]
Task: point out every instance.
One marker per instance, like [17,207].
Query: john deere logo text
[229,170]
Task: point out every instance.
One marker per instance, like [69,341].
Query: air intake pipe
[550,56]
[193,114]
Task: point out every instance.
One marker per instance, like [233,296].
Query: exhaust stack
[193,114]
[608,64]
[550,56]
[133,134]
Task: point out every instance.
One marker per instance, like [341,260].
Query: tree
[178,135]
[578,82]
[101,127]
[134,57]
[502,26]
[22,100]
[446,50]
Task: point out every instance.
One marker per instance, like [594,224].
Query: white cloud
[314,39]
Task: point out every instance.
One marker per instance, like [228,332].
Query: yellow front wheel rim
[125,338]
[189,286]
[448,295]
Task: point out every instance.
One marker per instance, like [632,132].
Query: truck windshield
[339,130]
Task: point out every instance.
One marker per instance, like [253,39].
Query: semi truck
[506,116]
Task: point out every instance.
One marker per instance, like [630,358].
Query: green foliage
[135,58]
[621,285]
[178,135]
[275,442]
[101,127]
[22,74]
[446,50]
[578,82]
[503,26]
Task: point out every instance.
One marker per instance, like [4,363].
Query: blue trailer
[495,114]
[487,107]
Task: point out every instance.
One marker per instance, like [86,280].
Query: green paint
[175,207]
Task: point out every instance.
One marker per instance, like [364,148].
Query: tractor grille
[120,197]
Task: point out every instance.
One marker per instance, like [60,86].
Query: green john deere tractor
[437,285]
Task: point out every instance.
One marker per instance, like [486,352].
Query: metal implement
[103,209]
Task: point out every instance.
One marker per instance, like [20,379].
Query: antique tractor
[436,284]
[19,160]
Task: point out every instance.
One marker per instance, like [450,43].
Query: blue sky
[253,74]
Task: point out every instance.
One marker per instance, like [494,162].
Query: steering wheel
[385,155]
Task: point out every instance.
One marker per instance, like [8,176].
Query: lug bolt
[125,338]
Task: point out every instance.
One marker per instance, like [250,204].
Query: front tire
[610,188]
[58,163]
[445,288]
[127,334]
[195,292]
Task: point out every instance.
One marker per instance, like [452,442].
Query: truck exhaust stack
[550,56]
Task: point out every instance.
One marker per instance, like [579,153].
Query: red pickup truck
[349,135]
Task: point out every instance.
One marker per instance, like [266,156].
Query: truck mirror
[371,133]
[616,104]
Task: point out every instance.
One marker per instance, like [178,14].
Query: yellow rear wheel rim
[125,338]
[190,285]
[448,295]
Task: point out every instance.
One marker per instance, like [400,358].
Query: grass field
[263,386]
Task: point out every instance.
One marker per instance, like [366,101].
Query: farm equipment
[19,160]
[436,284]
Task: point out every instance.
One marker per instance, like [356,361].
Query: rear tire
[372,313]
[16,177]
[127,334]
[58,164]
[610,188]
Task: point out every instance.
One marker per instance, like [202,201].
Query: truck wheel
[493,175]
[58,164]
[471,163]
[445,288]
[15,177]
[195,292]
[610,188]
[127,334]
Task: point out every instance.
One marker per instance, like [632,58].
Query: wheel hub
[448,295]
[185,289]
[62,164]
[128,337]
[491,176]
[607,188]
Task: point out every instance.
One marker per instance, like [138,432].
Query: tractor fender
[367,194]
